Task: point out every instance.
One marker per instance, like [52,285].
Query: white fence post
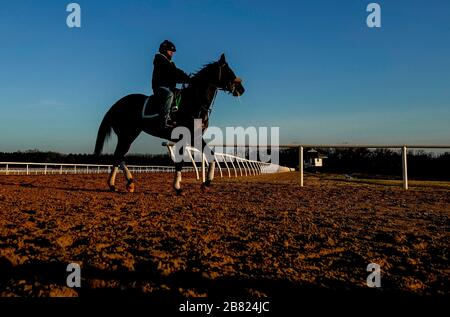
[193,162]
[404,167]
[300,164]
[218,165]
[239,166]
[250,171]
[203,168]
[226,164]
[244,168]
[234,168]
[255,168]
[247,169]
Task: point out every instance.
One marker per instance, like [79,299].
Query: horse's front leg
[210,177]
[212,165]
[177,178]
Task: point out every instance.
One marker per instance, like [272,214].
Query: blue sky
[313,68]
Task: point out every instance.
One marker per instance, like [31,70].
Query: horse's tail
[104,132]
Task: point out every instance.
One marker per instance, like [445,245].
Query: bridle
[231,89]
[232,85]
[208,109]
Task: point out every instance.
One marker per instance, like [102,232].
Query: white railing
[25,168]
[232,164]
[404,148]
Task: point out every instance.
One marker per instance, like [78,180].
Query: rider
[165,77]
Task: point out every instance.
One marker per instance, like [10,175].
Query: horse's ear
[222,59]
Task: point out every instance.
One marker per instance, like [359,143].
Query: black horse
[127,117]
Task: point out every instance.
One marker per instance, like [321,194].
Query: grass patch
[388,182]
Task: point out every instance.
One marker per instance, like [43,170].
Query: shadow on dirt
[123,285]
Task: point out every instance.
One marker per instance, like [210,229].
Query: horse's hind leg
[112,178]
[122,148]
[128,177]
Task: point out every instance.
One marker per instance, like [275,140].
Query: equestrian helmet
[167,46]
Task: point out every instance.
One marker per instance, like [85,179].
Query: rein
[209,107]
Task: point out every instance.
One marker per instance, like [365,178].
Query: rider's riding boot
[167,99]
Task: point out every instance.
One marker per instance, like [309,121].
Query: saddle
[152,105]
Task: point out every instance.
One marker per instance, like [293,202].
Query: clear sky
[313,67]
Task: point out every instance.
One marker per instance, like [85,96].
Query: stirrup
[169,123]
[169,126]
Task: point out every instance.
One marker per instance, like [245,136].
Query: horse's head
[226,78]
[221,76]
[206,82]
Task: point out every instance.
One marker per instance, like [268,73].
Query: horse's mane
[203,71]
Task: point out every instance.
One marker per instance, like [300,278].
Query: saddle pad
[149,110]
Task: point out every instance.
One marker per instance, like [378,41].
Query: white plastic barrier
[228,164]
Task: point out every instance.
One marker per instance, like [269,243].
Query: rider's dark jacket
[166,74]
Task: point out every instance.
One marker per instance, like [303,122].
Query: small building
[314,159]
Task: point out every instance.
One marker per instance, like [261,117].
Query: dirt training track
[252,236]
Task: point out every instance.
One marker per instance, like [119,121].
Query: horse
[127,119]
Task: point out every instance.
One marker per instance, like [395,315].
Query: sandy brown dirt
[252,236]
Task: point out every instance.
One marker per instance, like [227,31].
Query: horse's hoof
[179,192]
[130,188]
[206,185]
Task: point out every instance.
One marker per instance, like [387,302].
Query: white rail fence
[404,148]
[24,168]
[229,164]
